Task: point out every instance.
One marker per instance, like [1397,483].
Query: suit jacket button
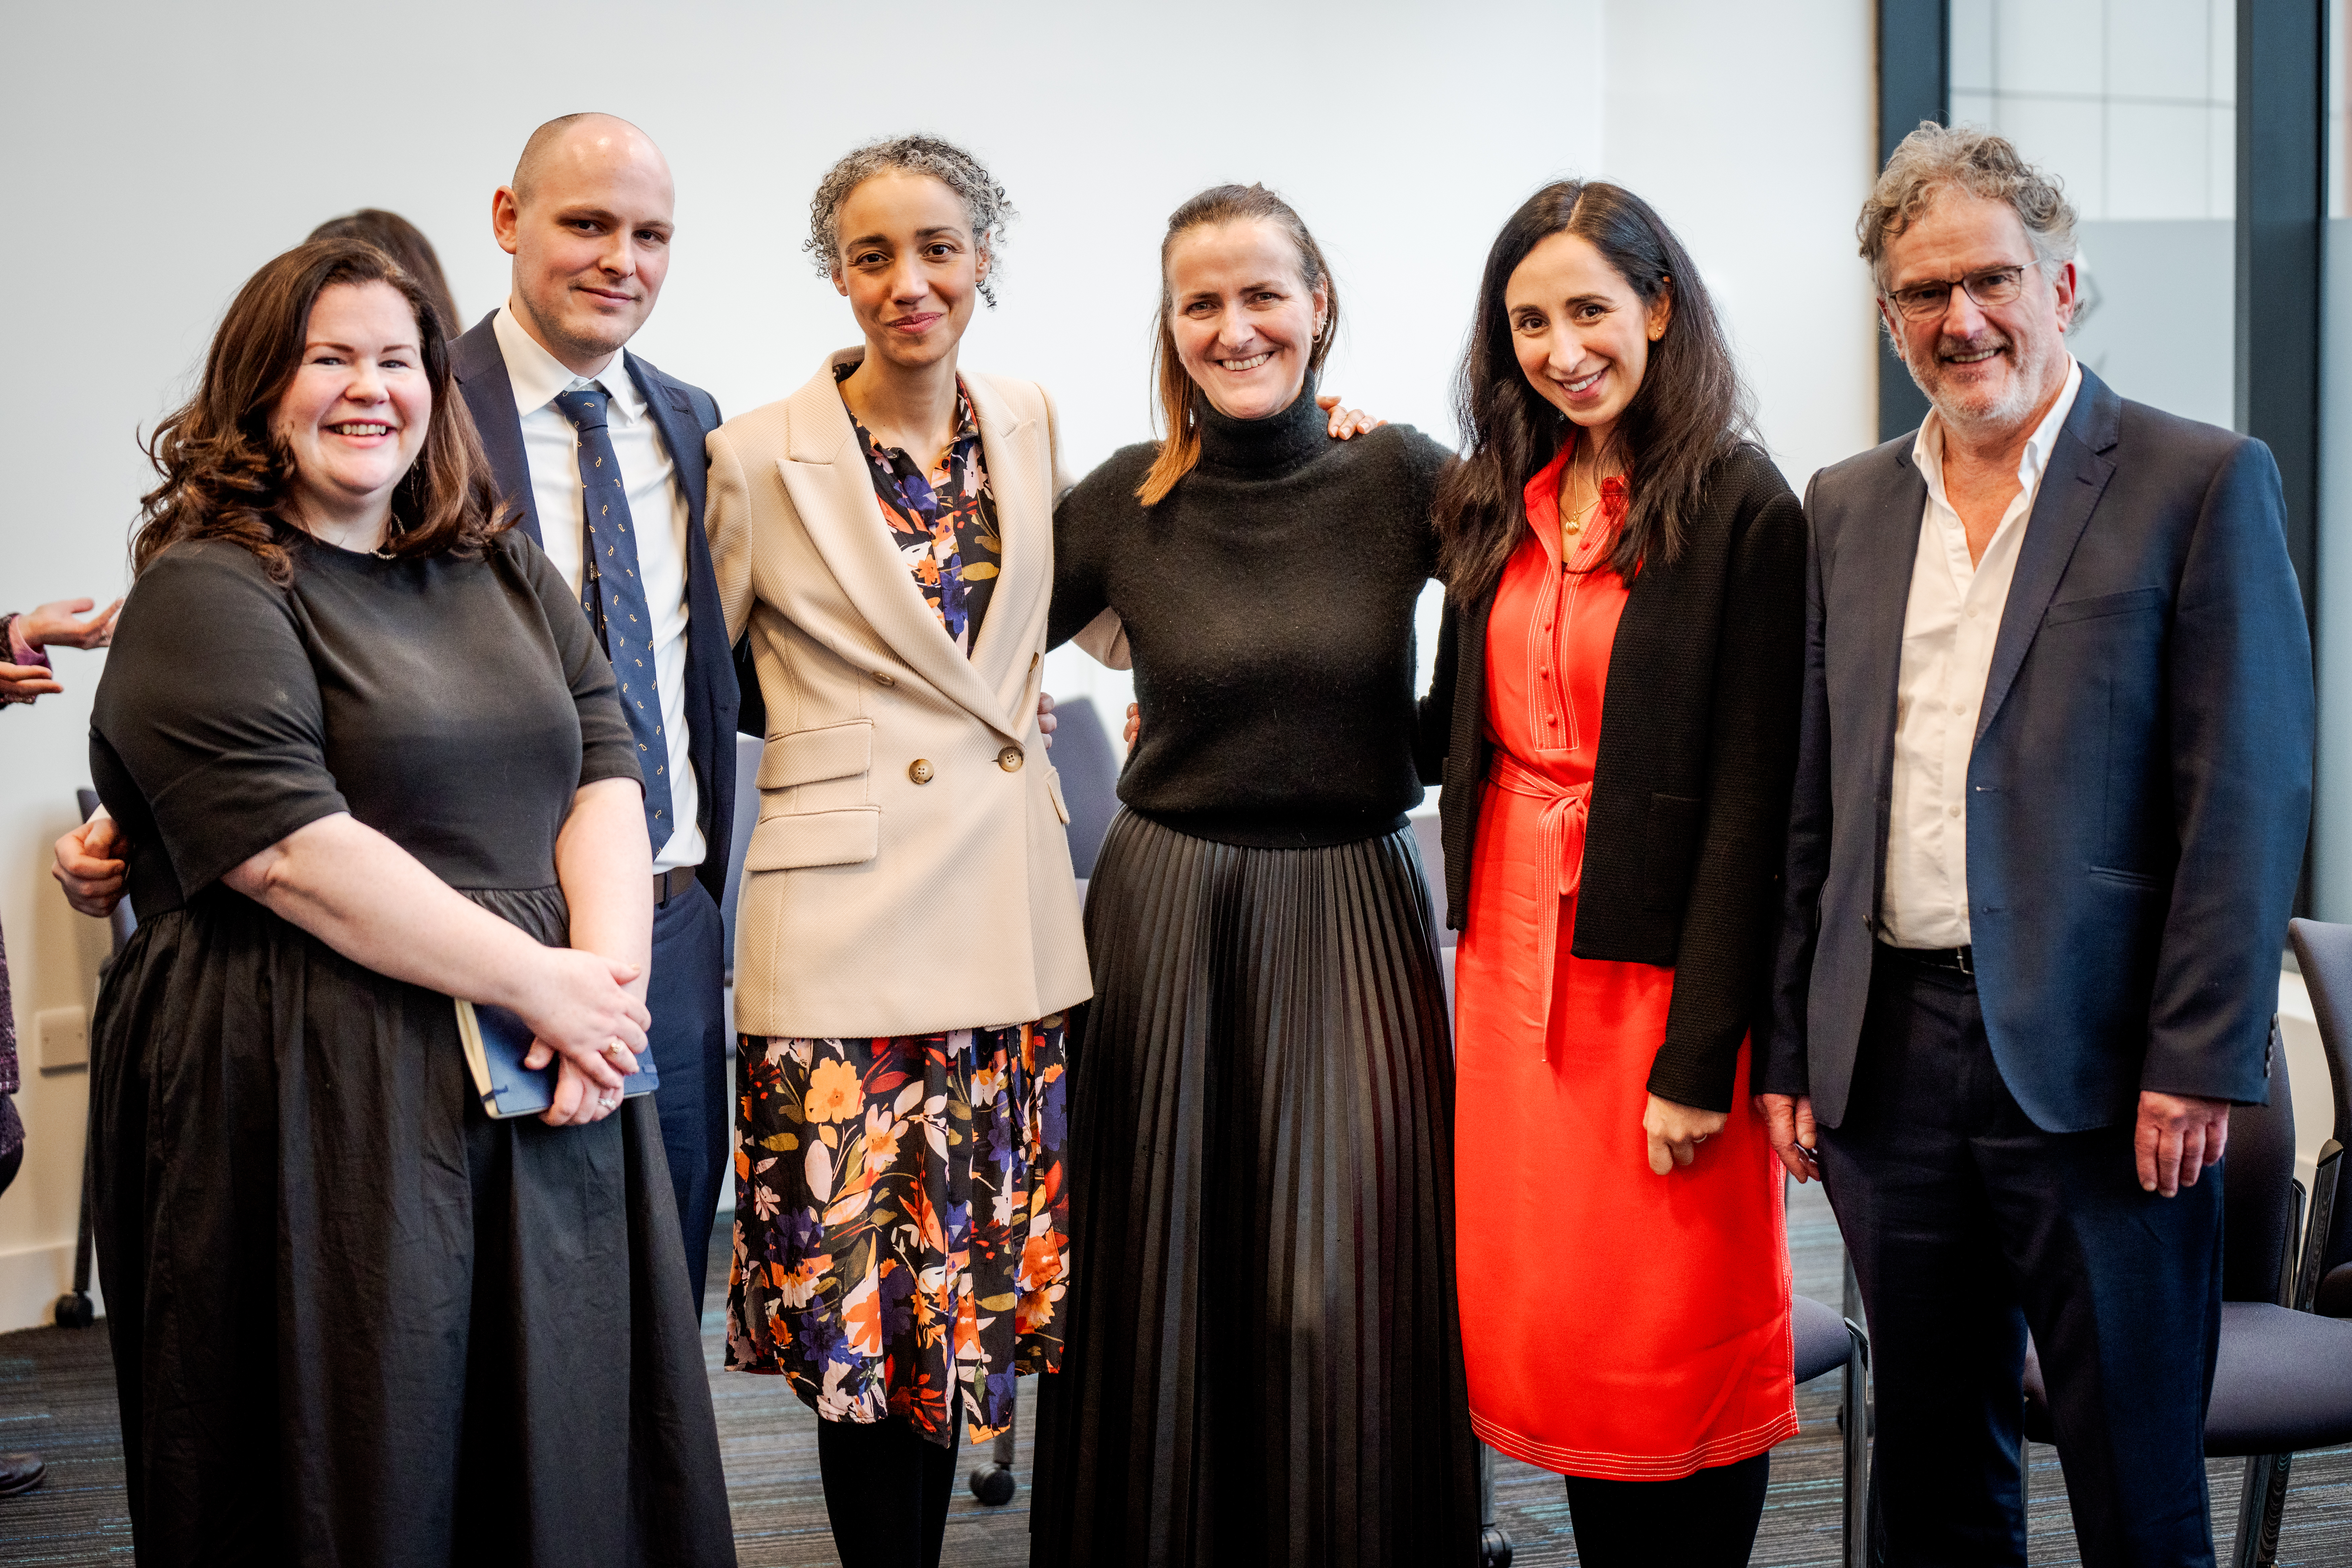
[884,677]
[1009,759]
[921,771]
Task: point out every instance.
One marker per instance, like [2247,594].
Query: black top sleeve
[211,705]
[1433,716]
[607,750]
[1727,933]
[1085,517]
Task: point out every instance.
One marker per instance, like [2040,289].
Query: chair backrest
[124,920]
[748,750]
[2258,1214]
[2322,950]
[1088,764]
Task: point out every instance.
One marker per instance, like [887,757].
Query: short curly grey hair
[984,200]
[1964,157]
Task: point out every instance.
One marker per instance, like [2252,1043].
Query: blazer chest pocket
[2100,606]
[1669,850]
[844,836]
[813,756]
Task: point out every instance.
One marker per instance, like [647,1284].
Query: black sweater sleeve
[1433,716]
[1086,521]
[1721,972]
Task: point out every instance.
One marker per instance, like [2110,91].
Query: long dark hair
[226,472]
[405,244]
[1179,448]
[1690,412]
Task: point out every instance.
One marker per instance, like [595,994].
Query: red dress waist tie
[1559,855]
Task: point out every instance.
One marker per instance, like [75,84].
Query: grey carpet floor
[57,1397]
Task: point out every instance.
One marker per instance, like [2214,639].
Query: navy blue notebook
[496,1041]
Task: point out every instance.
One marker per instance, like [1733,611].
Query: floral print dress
[901,1227]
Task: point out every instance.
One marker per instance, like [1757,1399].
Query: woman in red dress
[1614,720]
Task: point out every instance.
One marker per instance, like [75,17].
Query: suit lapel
[1876,551]
[1884,545]
[1002,654]
[673,413]
[481,373]
[2070,487]
[827,479]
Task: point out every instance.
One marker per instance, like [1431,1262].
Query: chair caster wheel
[1493,1548]
[74,1311]
[992,1485]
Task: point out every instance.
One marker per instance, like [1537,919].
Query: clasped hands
[577,1003]
[583,1018]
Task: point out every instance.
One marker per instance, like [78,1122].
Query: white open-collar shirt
[551,446]
[1950,625]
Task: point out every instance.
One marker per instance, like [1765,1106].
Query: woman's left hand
[1346,422]
[1676,1131]
[577,1100]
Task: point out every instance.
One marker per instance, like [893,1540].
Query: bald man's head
[587,220]
[588,134]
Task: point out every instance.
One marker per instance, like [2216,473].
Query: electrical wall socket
[64,1035]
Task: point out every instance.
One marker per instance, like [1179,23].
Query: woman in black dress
[367,757]
[1261,1362]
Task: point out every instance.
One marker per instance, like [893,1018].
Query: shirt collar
[967,418]
[1927,446]
[538,377]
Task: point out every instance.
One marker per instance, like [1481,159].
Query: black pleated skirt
[1261,1358]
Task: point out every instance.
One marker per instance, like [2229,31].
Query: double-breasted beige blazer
[910,869]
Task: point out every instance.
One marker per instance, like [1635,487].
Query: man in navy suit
[559,400]
[2053,786]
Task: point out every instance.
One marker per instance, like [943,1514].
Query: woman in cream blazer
[909,932]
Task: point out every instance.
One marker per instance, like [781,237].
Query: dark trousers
[885,1491]
[690,1041]
[1968,1223]
[1704,1520]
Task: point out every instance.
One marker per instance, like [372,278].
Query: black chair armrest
[2318,1227]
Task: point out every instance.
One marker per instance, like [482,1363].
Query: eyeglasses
[1993,286]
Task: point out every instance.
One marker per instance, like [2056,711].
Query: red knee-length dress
[1615,1323]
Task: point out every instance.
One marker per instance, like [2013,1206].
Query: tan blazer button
[884,677]
[1009,759]
[921,771]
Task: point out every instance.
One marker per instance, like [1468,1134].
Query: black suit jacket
[2139,786]
[1690,791]
[685,415]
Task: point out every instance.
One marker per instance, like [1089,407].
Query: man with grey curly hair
[2053,788]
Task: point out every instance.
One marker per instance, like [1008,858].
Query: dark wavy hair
[1689,413]
[405,244]
[1179,448]
[226,473]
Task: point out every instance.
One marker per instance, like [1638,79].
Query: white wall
[1752,129]
[163,152]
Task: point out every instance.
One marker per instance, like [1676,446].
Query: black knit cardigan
[1690,794]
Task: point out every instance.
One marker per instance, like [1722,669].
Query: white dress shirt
[1950,625]
[551,446]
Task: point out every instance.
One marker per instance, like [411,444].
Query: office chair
[2283,1381]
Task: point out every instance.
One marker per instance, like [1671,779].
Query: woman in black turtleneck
[1261,1359]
